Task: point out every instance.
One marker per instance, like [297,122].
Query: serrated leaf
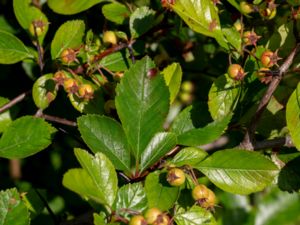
[141,20]
[293,116]
[5,117]
[68,35]
[233,37]
[102,173]
[159,193]
[44,91]
[115,12]
[12,50]
[202,17]
[71,6]
[159,145]
[238,171]
[26,14]
[189,156]
[131,197]
[195,216]
[103,134]
[223,96]
[79,181]
[12,209]
[204,135]
[142,104]
[117,61]
[173,76]
[24,137]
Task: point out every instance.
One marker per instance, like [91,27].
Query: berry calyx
[175,177]
[68,56]
[162,219]
[59,77]
[236,72]
[210,201]
[246,7]
[86,91]
[264,75]
[250,38]
[71,85]
[37,27]
[109,37]
[137,220]
[152,215]
[269,58]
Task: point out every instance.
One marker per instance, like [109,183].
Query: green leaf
[142,104]
[12,209]
[159,193]
[103,134]
[204,135]
[159,145]
[117,61]
[24,137]
[173,76]
[195,216]
[115,12]
[293,116]
[26,14]
[99,219]
[289,176]
[71,6]
[233,37]
[235,4]
[189,156]
[294,2]
[68,35]
[141,20]
[5,26]
[12,50]
[102,173]
[238,171]
[131,197]
[223,96]
[44,91]
[5,117]
[79,181]
[202,17]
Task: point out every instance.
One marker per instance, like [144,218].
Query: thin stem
[39,49]
[13,102]
[58,120]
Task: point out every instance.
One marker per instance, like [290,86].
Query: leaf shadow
[289,176]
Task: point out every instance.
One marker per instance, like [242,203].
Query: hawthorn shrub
[149,112]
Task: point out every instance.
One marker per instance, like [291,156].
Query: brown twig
[249,139]
[13,102]
[58,120]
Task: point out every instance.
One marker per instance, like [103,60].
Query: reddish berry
[269,58]
[70,85]
[59,77]
[250,38]
[236,72]
[68,56]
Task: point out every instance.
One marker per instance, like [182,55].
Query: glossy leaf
[115,12]
[173,76]
[195,216]
[189,156]
[12,50]
[5,26]
[117,61]
[44,91]
[133,197]
[204,135]
[79,181]
[159,193]
[24,137]
[71,6]
[26,14]
[293,116]
[12,209]
[159,145]
[103,134]
[233,37]
[142,104]
[68,35]
[223,96]
[5,117]
[202,17]
[102,173]
[238,171]
[141,20]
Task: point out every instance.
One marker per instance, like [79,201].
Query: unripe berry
[137,220]
[68,56]
[86,91]
[210,200]
[39,26]
[59,77]
[109,37]
[162,219]
[175,177]
[70,85]
[152,215]
[250,38]
[236,72]
[200,192]
[246,7]
[269,58]
[187,86]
